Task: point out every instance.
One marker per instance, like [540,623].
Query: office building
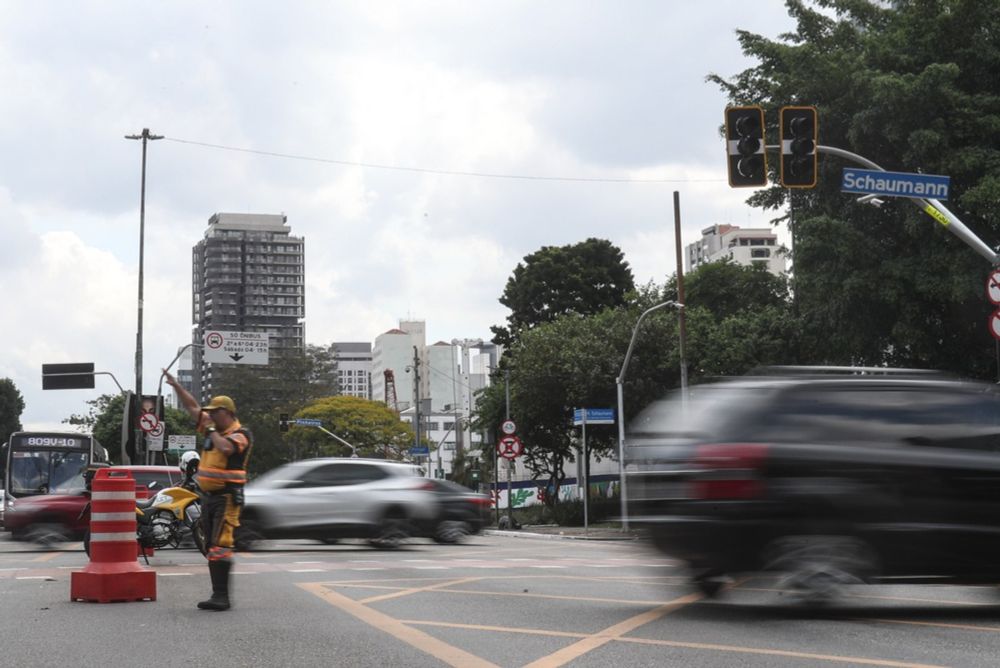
[354,368]
[248,276]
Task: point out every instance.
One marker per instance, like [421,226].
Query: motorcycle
[164,519]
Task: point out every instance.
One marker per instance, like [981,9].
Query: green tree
[11,407]
[582,278]
[915,86]
[370,426]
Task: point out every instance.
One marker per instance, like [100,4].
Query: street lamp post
[146,136]
[621,405]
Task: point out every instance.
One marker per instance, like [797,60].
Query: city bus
[43,462]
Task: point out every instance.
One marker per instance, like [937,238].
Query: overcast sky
[582,89]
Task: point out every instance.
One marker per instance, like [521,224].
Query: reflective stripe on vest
[237,476]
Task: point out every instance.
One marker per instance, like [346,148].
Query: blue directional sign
[422,450]
[594,416]
[895,184]
[308,422]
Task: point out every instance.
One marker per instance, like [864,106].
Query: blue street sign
[422,450]
[308,422]
[594,416]
[895,184]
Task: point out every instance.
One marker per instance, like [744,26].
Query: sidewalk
[555,532]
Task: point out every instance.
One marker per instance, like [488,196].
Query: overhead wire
[428,170]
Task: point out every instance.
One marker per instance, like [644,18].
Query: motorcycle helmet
[189,463]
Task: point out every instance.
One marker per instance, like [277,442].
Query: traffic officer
[221,476]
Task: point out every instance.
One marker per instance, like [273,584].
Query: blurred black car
[824,475]
[461,511]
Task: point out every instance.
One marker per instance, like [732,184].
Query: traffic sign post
[182,442]
[581,418]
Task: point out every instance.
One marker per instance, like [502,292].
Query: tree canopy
[370,426]
[11,407]
[914,86]
[582,278]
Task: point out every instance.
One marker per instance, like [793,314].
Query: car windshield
[279,477]
[707,408]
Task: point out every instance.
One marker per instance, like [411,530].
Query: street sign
[508,427]
[156,431]
[148,422]
[422,450]
[894,184]
[594,416]
[187,442]
[993,287]
[308,422]
[995,325]
[68,376]
[235,347]
[154,442]
[510,447]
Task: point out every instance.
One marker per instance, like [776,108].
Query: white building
[439,428]
[443,374]
[354,368]
[747,247]
[393,351]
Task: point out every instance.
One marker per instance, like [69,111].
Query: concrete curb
[556,536]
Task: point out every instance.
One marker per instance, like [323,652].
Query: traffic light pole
[932,207]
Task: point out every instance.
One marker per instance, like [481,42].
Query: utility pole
[145,137]
[681,318]
[510,462]
[416,392]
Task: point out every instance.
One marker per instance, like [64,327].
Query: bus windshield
[47,464]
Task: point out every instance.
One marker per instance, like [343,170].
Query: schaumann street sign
[895,184]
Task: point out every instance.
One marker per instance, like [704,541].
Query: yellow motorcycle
[165,519]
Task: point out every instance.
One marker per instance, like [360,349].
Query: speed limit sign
[508,427]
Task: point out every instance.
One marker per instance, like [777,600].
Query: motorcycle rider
[189,467]
[221,477]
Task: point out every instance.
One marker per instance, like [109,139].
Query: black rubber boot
[219,571]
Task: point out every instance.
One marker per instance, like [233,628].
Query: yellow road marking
[779,652]
[450,655]
[884,598]
[943,625]
[416,590]
[601,638]
[47,557]
[502,629]
[658,579]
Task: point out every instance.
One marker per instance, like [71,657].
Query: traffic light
[283,422]
[799,137]
[745,145]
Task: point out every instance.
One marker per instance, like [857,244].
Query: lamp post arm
[635,332]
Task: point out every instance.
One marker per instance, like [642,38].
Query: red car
[53,518]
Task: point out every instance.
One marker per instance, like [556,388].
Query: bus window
[29,473]
[67,472]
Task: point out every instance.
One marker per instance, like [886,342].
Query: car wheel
[248,536]
[48,534]
[450,532]
[711,585]
[329,541]
[390,533]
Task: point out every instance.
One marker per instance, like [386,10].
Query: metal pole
[621,407]
[682,334]
[416,404]
[510,462]
[586,477]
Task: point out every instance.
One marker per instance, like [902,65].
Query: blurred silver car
[329,499]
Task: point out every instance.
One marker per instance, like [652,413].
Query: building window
[760,252]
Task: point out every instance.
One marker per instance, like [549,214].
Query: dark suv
[827,475]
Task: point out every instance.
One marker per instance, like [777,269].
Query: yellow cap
[218,402]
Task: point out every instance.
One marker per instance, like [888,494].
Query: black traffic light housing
[283,422]
[799,139]
[745,146]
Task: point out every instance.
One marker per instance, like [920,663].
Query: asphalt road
[494,601]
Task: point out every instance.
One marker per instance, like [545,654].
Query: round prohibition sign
[148,422]
[214,340]
[510,447]
[508,427]
[157,430]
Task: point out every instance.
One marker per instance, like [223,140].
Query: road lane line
[942,625]
[47,557]
[306,570]
[416,590]
[368,569]
[554,597]
[170,575]
[909,599]
[737,649]
[502,629]
[37,577]
[428,644]
[601,638]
